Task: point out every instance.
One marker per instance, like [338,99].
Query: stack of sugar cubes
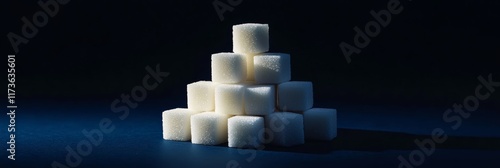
[250,97]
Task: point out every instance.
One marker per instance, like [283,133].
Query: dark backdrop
[429,55]
[392,93]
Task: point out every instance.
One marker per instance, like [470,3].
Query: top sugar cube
[250,38]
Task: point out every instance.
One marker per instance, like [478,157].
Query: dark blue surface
[368,137]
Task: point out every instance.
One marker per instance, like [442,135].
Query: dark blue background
[393,92]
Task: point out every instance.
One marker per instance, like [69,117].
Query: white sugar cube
[201,96]
[250,38]
[228,68]
[320,123]
[176,124]
[295,96]
[244,131]
[287,128]
[259,99]
[229,99]
[272,68]
[209,128]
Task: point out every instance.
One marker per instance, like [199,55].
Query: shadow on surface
[374,141]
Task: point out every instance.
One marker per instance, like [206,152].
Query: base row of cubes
[277,128]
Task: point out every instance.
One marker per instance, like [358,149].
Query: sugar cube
[176,124]
[259,99]
[201,96]
[209,128]
[250,38]
[287,129]
[295,96]
[272,68]
[320,123]
[244,131]
[228,68]
[229,99]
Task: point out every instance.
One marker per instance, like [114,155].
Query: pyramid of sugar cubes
[250,97]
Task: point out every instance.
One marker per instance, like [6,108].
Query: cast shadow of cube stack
[250,100]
